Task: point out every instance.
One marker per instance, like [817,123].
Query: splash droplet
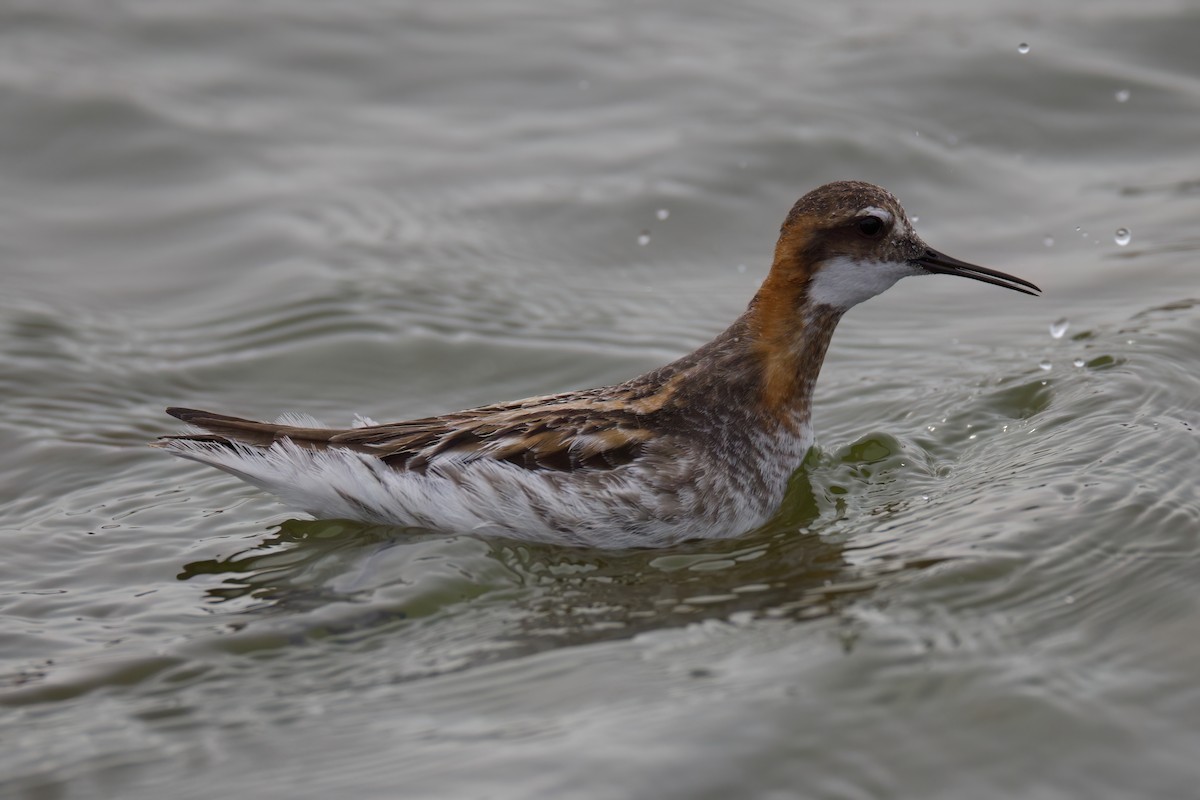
[643,238]
[1044,366]
[1023,48]
[662,213]
[1048,241]
[1122,95]
[1079,362]
[1122,236]
[1058,328]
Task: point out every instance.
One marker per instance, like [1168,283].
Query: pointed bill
[942,264]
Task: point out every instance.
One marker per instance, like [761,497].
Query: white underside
[622,508]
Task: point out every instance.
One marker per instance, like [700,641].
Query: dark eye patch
[870,227]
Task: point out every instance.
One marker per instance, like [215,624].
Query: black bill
[942,264]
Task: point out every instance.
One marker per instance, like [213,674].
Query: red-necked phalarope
[700,448]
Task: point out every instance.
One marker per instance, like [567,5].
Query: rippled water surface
[983,583]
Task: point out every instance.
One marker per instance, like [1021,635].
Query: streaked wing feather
[573,431]
[534,440]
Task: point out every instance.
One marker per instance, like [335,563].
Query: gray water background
[984,584]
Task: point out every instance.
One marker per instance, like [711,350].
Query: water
[982,584]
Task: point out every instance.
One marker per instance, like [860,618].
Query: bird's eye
[870,227]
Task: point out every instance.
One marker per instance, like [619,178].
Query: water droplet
[1048,241]
[1058,328]
[741,268]
[643,238]
[662,213]
[972,436]
[1023,48]
[1078,229]
[1122,236]
[1069,599]
[915,218]
[1078,362]
[1122,95]
[916,133]
[1044,365]
[931,428]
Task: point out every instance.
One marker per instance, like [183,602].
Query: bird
[701,448]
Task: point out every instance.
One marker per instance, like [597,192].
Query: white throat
[844,282]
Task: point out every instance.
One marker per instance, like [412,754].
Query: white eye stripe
[901,225]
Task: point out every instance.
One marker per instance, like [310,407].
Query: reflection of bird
[702,447]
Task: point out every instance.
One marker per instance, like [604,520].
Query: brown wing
[561,433]
[565,440]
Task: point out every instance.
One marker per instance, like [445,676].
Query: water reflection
[527,597]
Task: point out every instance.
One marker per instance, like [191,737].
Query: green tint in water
[1022,401]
